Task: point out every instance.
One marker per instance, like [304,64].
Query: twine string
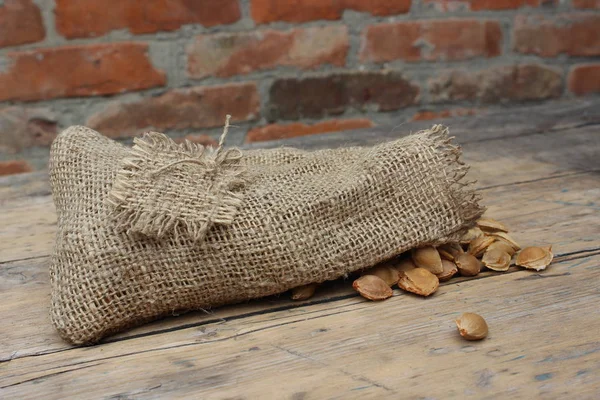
[196,160]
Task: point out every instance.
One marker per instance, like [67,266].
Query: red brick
[585,79]
[198,107]
[285,131]
[21,128]
[591,4]
[72,71]
[572,34]
[498,84]
[454,39]
[14,167]
[479,5]
[378,7]
[227,54]
[20,23]
[84,18]
[426,115]
[265,11]
[318,96]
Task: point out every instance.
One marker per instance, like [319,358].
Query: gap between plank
[534,131]
[559,258]
[25,259]
[50,375]
[98,361]
[169,347]
[582,172]
[575,255]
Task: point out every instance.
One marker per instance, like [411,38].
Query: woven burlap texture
[290,217]
[151,195]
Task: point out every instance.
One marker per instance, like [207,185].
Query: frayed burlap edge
[223,196]
[462,191]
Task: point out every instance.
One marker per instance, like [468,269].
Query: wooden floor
[538,170]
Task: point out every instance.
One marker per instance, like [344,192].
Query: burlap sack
[163,228]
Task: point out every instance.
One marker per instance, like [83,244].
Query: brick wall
[281,67]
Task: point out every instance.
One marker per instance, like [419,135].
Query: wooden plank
[28,220]
[538,156]
[507,123]
[562,211]
[25,310]
[570,228]
[27,231]
[541,342]
[558,204]
[20,187]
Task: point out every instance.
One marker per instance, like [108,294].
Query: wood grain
[509,123]
[388,348]
[570,229]
[538,171]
